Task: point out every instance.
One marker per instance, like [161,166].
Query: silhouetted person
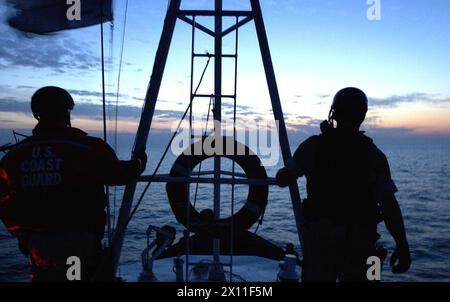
[53,197]
[350,191]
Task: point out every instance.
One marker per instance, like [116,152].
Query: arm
[285,176]
[393,220]
[124,171]
[299,164]
[112,171]
[128,170]
[391,213]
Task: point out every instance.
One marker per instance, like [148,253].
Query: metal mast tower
[174,12]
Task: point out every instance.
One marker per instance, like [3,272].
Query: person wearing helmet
[350,191]
[53,198]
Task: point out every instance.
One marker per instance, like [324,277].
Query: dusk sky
[401,61]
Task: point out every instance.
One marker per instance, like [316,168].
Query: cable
[117,96]
[191,87]
[120,70]
[105,138]
[233,170]
[110,67]
[200,165]
[120,232]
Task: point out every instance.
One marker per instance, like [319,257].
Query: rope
[120,72]
[233,169]
[116,113]
[200,165]
[191,87]
[105,138]
[110,66]
[136,207]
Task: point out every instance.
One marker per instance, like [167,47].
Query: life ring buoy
[177,192]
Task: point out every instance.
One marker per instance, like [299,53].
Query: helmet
[349,105]
[51,103]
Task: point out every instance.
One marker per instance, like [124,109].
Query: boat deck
[245,268]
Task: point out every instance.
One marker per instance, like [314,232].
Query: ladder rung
[227,96]
[207,55]
[203,95]
[224,13]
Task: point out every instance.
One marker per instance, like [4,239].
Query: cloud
[307,125]
[303,117]
[25,87]
[230,105]
[391,131]
[302,124]
[9,105]
[417,97]
[299,133]
[57,52]
[246,113]
[242,110]
[91,110]
[79,95]
[96,94]
[59,55]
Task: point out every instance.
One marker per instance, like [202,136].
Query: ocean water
[420,171]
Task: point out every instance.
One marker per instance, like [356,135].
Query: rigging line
[108,207]
[120,232]
[200,164]
[234,149]
[108,81]
[188,242]
[117,95]
[111,124]
[190,144]
[120,71]
[103,73]
[109,69]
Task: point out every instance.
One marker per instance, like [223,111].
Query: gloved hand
[285,177]
[400,259]
[141,156]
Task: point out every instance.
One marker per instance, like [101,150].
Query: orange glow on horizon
[421,119]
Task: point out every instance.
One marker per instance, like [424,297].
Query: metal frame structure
[189,16]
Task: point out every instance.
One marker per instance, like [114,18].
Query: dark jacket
[339,186]
[55,181]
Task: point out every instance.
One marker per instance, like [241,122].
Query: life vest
[51,185]
[338,187]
